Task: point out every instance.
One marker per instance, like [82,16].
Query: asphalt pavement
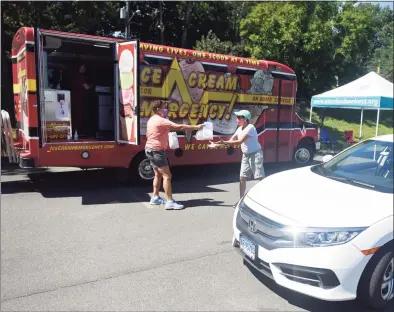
[78,240]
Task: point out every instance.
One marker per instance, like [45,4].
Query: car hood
[309,199]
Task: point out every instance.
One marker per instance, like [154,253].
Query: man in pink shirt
[157,131]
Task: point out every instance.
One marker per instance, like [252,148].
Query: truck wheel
[141,171]
[376,287]
[303,154]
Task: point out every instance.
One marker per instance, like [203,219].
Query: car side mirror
[327,158]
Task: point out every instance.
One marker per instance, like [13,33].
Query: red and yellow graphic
[57,129]
[127,92]
[190,54]
[195,94]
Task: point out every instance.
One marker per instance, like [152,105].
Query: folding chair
[349,140]
[327,140]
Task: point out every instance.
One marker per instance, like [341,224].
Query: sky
[389,4]
[381,3]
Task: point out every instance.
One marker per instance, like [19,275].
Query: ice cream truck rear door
[127,92]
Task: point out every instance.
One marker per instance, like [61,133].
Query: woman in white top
[252,154]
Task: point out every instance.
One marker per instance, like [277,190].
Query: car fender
[376,235]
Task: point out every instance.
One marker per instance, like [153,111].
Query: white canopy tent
[371,92]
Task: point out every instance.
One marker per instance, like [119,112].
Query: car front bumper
[327,273]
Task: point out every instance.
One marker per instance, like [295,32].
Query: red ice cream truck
[84,101]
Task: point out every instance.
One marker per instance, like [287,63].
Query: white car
[325,230]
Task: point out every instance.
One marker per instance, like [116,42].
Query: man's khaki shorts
[252,165]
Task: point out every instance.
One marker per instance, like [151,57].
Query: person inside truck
[157,130]
[79,92]
[252,154]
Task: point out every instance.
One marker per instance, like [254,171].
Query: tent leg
[310,115]
[361,123]
[377,122]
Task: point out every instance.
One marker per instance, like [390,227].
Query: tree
[355,39]
[298,34]
[211,43]
[319,40]
[383,55]
[383,58]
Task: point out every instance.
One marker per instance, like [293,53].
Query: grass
[336,121]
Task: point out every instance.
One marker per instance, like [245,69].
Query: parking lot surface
[78,240]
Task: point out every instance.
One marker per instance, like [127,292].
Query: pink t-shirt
[157,130]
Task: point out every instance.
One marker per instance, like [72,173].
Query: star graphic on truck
[174,79]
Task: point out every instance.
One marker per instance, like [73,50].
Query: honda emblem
[252,226]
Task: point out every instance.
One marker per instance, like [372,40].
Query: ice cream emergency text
[195,94]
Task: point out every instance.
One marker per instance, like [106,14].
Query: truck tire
[304,153]
[140,171]
[376,286]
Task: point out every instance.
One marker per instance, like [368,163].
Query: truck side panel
[201,90]
[199,86]
[25,96]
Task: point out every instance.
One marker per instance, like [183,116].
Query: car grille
[263,220]
[266,232]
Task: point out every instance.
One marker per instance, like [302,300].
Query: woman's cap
[244,113]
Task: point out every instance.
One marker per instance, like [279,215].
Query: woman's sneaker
[173,205]
[157,201]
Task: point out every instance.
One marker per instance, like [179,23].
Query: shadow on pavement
[203,202]
[14,169]
[309,303]
[101,186]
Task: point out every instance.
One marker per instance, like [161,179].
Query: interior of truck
[80,74]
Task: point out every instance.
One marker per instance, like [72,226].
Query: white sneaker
[173,205]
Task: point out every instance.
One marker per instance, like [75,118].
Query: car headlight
[314,237]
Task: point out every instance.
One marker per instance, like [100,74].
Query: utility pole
[127,26]
[125,14]
[161,22]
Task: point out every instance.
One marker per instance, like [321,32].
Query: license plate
[247,247]
[317,145]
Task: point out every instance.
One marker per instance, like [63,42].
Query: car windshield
[368,164]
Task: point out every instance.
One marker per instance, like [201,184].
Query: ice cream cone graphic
[261,83]
[126,127]
[126,94]
[187,67]
[126,61]
[126,81]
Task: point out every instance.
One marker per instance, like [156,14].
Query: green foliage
[298,34]
[211,43]
[317,39]
[383,56]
